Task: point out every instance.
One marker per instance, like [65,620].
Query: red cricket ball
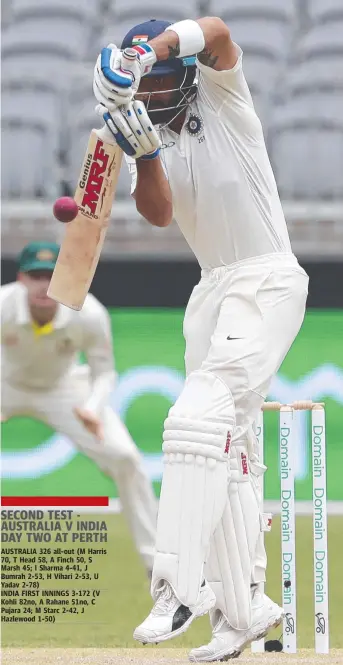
[65,209]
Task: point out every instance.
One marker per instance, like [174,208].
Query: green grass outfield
[125,600]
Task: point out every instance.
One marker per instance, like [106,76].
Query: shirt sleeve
[98,350]
[131,165]
[228,96]
[218,88]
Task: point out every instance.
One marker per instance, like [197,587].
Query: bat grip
[106,135]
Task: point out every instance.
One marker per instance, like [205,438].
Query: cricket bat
[84,236]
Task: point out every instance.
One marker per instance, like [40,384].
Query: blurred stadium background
[293,60]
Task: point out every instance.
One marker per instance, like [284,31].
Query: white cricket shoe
[169,618]
[228,643]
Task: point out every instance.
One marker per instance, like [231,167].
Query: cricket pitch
[153,657]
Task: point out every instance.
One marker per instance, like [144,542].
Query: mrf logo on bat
[92,178]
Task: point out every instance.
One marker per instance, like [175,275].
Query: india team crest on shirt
[194,125]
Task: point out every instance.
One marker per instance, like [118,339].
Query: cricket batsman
[40,342]
[184,117]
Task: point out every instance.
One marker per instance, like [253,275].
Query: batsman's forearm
[215,33]
[152,194]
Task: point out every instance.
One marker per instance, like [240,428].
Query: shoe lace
[163,602]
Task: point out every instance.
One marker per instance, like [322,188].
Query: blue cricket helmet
[146,31]
[184,70]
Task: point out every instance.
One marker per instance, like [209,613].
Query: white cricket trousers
[117,455]
[240,323]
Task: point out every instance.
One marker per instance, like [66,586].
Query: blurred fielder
[206,165]
[41,341]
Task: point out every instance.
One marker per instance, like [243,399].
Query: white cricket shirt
[225,198]
[41,361]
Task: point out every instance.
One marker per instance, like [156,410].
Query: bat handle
[129,57]
[146,60]
[106,135]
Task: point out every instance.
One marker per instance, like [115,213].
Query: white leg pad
[257,470]
[233,546]
[196,444]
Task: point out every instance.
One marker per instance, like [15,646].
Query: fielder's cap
[38,256]
[145,32]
